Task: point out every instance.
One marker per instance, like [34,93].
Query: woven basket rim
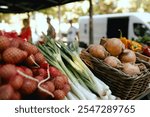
[128,77]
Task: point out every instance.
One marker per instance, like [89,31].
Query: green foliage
[145,39]
[5,17]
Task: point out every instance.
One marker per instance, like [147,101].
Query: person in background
[51,30]
[26,33]
[72,36]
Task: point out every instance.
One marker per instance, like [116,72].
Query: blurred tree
[73,9]
[140,5]
[5,17]
[104,6]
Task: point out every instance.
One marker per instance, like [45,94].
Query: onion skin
[42,72]
[35,71]
[14,55]
[16,82]
[39,58]
[131,69]
[28,87]
[40,78]
[59,82]
[51,86]
[128,56]
[44,64]
[46,86]
[7,71]
[29,48]
[114,46]
[41,94]
[65,78]
[30,60]
[112,61]
[28,71]
[66,88]
[4,43]
[6,92]
[54,72]
[39,72]
[97,51]
[59,94]
[14,43]
[16,96]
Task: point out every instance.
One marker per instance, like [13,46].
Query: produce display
[146,51]
[116,54]
[133,45]
[84,84]
[141,45]
[129,44]
[25,73]
[55,71]
[121,68]
[49,70]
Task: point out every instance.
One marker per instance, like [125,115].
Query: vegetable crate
[122,85]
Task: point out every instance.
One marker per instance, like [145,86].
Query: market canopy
[21,6]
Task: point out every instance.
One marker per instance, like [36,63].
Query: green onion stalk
[80,76]
[95,84]
[53,56]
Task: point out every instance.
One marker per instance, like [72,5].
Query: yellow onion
[114,46]
[128,56]
[97,51]
[112,61]
[131,69]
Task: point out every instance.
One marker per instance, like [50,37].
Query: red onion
[28,87]
[16,82]
[6,92]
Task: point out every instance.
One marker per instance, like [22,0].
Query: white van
[132,25]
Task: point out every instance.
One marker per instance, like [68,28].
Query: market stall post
[59,18]
[90,22]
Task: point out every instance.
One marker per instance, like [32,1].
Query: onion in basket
[97,51]
[131,69]
[112,61]
[127,56]
[114,46]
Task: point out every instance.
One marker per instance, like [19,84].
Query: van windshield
[141,30]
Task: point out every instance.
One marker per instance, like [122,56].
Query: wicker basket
[144,59]
[121,84]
